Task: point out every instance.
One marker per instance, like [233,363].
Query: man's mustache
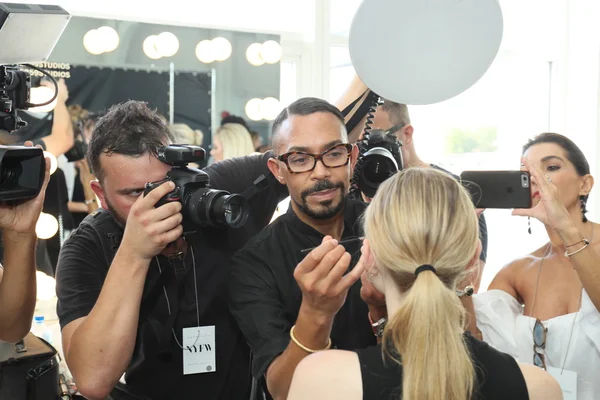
[320,186]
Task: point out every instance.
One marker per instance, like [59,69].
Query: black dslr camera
[379,158]
[202,206]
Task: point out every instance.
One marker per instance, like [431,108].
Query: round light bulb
[271,52]
[254,109]
[205,51]
[53,161]
[150,49]
[221,48]
[270,108]
[167,44]
[253,54]
[109,38]
[92,41]
[46,226]
[39,95]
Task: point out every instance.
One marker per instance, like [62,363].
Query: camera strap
[258,186]
[362,110]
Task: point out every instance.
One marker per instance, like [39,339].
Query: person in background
[257,141]
[17,275]
[396,117]
[421,239]
[230,141]
[82,200]
[183,134]
[227,118]
[544,308]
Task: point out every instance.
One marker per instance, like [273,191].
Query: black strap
[258,186]
[362,111]
[349,108]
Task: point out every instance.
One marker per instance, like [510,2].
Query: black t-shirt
[265,298]
[498,375]
[156,368]
[483,235]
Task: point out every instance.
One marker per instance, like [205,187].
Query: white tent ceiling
[267,16]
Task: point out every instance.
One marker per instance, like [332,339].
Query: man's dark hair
[129,128]
[305,106]
[574,153]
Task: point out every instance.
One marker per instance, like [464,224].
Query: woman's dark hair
[574,155]
[129,128]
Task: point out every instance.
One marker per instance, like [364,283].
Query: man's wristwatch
[378,326]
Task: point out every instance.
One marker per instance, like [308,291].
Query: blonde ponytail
[424,217]
[427,333]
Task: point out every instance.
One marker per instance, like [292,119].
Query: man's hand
[149,230]
[22,218]
[321,278]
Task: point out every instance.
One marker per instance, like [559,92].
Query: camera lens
[230,210]
[10,176]
[218,208]
[378,165]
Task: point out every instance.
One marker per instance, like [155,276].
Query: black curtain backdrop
[96,89]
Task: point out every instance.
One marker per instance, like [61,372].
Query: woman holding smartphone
[543,308]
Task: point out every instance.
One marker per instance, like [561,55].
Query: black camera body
[15,88]
[379,158]
[202,205]
[77,152]
[22,171]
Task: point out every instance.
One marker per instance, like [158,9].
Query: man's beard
[118,219]
[330,208]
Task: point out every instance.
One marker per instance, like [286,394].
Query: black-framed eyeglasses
[298,161]
[539,342]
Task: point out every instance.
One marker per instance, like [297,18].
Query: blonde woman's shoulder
[540,384]
[327,375]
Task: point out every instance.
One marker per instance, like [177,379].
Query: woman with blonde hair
[231,140]
[421,241]
[183,134]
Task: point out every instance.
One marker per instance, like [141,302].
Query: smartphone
[498,189]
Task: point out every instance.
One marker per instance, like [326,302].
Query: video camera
[202,206]
[22,168]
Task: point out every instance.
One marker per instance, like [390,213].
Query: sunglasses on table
[539,343]
[299,161]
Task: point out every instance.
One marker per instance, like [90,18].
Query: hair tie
[424,267]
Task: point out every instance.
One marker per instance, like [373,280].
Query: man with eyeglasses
[296,287]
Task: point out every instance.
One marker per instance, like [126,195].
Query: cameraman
[17,278]
[391,114]
[133,296]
